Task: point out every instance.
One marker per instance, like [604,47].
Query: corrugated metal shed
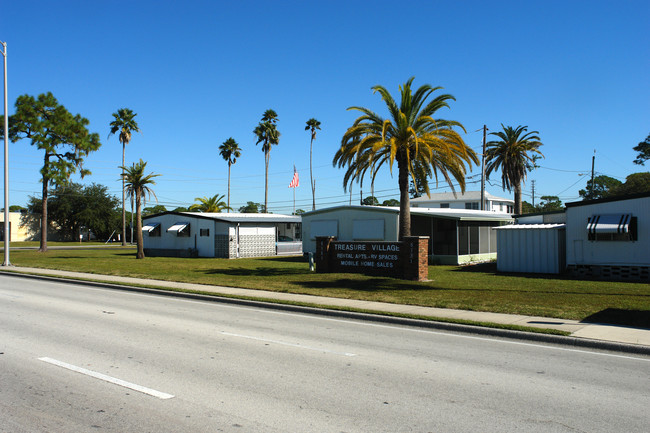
[531,248]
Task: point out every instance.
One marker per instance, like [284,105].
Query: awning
[178,227]
[616,223]
[150,227]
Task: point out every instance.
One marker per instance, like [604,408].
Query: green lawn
[476,287]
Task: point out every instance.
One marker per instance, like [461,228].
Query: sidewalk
[607,333]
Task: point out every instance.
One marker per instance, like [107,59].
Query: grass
[477,287]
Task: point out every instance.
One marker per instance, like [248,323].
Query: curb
[377,317]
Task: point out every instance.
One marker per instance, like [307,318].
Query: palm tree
[137,185]
[209,204]
[267,133]
[515,154]
[312,125]
[124,121]
[229,151]
[422,146]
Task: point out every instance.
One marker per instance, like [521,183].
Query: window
[617,227]
[152,228]
[444,205]
[471,206]
[182,229]
[204,232]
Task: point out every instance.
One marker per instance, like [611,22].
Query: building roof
[469,195]
[235,217]
[458,214]
[607,199]
[531,226]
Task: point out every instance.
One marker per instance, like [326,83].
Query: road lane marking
[115,381]
[284,343]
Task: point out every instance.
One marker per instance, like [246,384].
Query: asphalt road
[76,358]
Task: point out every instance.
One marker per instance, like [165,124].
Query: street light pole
[7,232]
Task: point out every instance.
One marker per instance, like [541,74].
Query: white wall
[530,249]
[581,251]
[170,240]
[342,221]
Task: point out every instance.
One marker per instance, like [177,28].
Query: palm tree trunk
[311,177]
[123,210]
[518,198]
[138,226]
[266,181]
[405,200]
[228,187]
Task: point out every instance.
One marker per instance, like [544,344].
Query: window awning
[178,227]
[150,227]
[616,223]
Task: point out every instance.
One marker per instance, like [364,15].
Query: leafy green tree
[152,210]
[515,154]
[549,203]
[251,207]
[267,133]
[137,185]
[370,201]
[527,208]
[16,208]
[644,151]
[209,204]
[602,187]
[74,206]
[229,151]
[636,183]
[63,138]
[391,202]
[124,122]
[181,209]
[299,212]
[312,126]
[420,144]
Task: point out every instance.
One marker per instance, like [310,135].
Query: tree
[137,185]
[549,203]
[16,208]
[515,153]
[181,209]
[391,202]
[636,183]
[124,121]
[267,133]
[602,187]
[73,207]
[370,201]
[299,212]
[527,208]
[312,126]
[644,151]
[251,207]
[152,210]
[63,138]
[229,151]
[421,145]
[209,204]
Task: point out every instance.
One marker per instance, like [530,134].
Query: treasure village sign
[407,259]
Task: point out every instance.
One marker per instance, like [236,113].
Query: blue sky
[199,72]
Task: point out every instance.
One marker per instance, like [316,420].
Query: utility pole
[483,170]
[591,188]
[533,183]
[361,197]
[7,230]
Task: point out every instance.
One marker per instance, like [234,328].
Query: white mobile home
[609,237]
[470,200]
[224,235]
[455,235]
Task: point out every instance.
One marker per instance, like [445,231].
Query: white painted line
[133,386]
[284,343]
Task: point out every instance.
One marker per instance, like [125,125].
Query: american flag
[294,181]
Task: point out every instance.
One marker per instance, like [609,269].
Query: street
[77,358]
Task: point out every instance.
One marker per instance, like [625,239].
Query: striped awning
[150,227]
[178,227]
[613,223]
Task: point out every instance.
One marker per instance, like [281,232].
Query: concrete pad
[620,334]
